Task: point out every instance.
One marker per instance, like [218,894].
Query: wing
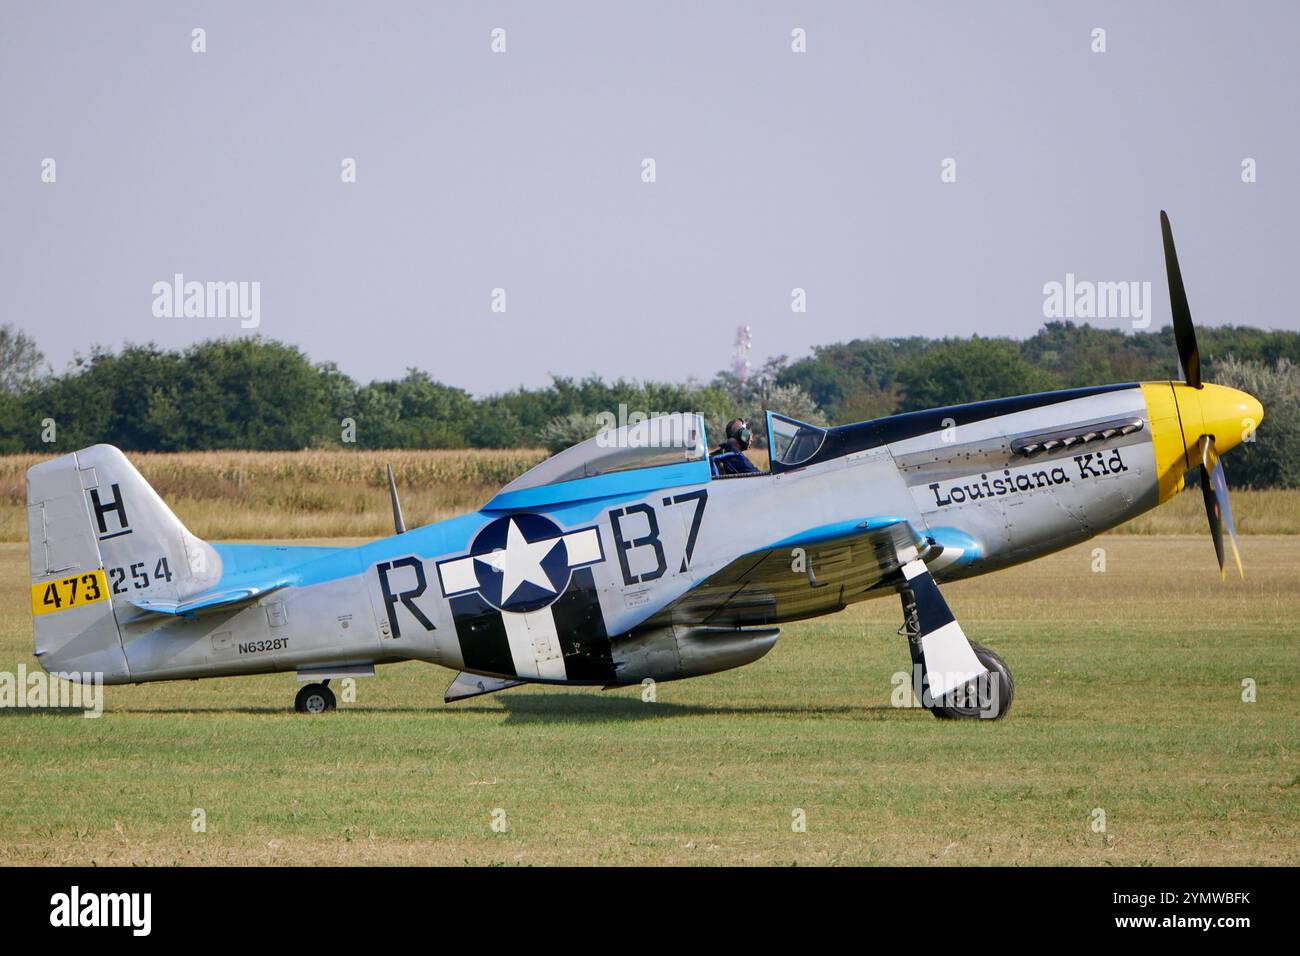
[811,573]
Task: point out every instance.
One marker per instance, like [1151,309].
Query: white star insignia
[520,561]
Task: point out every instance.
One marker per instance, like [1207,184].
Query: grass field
[1128,700]
[319,494]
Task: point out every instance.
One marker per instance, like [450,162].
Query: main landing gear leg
[958,678]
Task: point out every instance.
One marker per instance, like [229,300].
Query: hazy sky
[522,170]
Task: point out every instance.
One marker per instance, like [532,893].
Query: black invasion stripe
[581,629]
[932,611]
[846,439]
[484,646]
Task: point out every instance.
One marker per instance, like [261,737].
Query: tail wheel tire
[314,699]
[1002,690]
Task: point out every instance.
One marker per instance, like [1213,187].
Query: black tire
[1005,690]
[314,699]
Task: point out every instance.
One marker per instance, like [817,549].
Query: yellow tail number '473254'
[72,591]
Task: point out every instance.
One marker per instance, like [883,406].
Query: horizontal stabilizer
[474,685]
[227,598]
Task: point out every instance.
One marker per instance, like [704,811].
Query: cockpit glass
[794,442]
[666,440]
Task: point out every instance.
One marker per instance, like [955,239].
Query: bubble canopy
[672,447]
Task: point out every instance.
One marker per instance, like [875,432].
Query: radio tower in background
[740,353]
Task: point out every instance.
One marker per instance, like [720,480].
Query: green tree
[248,393]
[232,393]
[867,404]
[377,412]
[835,372]
[79,402]
[1084,355]
[21,362]
[413,412]
[564,431]
[340,393]
[495,424]
[969,370]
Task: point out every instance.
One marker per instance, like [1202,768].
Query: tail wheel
[314,699]
[996,690]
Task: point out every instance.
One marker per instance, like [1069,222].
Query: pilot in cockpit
[729,457]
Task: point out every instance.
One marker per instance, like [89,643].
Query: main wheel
[996,688]
[314,699]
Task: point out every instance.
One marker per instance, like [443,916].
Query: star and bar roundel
[525,602]
[521,563]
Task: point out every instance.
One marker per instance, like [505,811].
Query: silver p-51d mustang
[616,561]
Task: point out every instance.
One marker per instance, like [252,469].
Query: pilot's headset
[738,429]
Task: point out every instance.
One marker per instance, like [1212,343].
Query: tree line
[256,393]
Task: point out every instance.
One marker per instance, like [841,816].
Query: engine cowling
[673,652]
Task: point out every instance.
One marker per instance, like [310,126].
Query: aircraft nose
[1229,414]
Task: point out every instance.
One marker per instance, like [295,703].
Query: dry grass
[1267,511]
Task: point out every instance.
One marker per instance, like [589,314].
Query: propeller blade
[1225,513]
[1189,357]
[399,523]
[1214,488]
[1211,499]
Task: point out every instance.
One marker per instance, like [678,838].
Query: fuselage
[988,484]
